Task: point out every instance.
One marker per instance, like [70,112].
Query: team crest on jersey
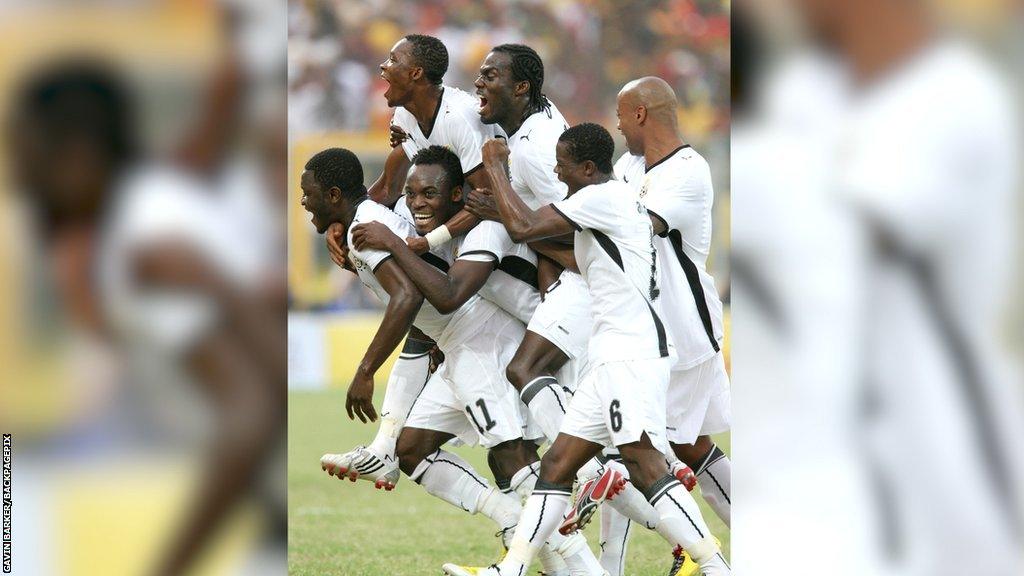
[359,264]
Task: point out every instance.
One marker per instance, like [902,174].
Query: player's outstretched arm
[387,189]
[446,292]
[405,301]
[522,223]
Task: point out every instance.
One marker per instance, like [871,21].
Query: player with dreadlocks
[510,90]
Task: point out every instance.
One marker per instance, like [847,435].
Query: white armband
[438,236]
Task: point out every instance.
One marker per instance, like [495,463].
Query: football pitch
[336,527]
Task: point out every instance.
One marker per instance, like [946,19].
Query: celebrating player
[674,183]
[467,398]
[426,112]
[621,397]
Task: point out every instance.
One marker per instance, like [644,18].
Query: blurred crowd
[590,48]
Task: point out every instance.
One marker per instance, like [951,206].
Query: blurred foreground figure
[146,259]
[874,188]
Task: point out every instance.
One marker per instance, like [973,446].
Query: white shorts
[563,317]
[469,396]
[617,402]
[699,401]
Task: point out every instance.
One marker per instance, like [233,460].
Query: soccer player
[620,399]
[467,398]
[509,86]
[674,183]
[426,113]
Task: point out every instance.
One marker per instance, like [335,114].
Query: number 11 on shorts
[488,423]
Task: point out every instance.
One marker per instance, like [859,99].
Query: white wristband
[438,236]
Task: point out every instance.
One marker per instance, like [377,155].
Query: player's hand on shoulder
[480,203]
[495,150]
[397,136]
[337,248]
[359,401]
[372,235]
[418,245]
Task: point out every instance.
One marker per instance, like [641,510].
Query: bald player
[674,184]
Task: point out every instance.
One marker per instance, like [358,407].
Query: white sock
[556,557]
[632,503]
[546,401]
[682,524]
[614,541]
[714,476]
[543,512]
[452,479]
[500,507]
[404,385]
[524,480]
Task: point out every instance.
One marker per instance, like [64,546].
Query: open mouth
[422,219]
[483,105]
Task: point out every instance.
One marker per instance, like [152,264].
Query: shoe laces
[677,562]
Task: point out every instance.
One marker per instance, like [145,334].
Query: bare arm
[522,223]
[387,189]
[445,291]
[560,253]
[404,303]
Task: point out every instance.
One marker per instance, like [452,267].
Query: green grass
[337,527]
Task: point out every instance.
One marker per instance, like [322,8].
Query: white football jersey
[513,284]
[616,255]
[532,159]
[457,126]
[678,191]
[447,330]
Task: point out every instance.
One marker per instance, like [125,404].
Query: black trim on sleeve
[521,269]
[670,154]
[386,258]
[693,279]
[570,220]
[660,219]
[488,252]
[435,261]
[609,246]
[433,120]
[475,168]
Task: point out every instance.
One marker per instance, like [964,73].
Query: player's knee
[518,373]
[693,454]
[410,453]
[554,469]
[645,467]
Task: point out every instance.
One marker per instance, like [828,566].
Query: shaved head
[652,93]
[646,109]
